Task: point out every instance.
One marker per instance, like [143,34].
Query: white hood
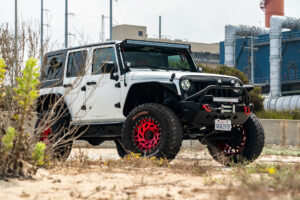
[163,74]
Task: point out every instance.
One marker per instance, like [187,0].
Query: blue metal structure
[290,57]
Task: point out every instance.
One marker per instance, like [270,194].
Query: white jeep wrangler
[148,97]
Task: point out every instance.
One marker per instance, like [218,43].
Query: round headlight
[185,84]
[237,84]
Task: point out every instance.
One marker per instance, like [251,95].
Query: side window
[178,61]
[53,67]
[76,64]
[104,60]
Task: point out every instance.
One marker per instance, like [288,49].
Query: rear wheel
[152,130]
[243,146]
[54,136]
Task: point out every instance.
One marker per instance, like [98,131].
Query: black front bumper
[204,114]
[196,111]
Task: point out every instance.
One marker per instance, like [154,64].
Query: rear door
[74,81]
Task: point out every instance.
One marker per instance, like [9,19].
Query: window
[104,60]
[76,64]
[178,61]
[53,67]
[140,33]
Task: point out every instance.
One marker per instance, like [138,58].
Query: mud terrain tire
[62,150]
[152,130]
[252,149]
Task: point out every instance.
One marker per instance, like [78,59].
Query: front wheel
[152,130]
[244,145]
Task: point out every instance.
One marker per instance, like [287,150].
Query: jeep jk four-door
[147,97]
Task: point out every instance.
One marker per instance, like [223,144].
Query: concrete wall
[283,132]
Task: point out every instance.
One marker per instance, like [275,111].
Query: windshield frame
[186,52]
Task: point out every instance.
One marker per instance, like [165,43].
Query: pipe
[277,24]
[283,103]
[231,32]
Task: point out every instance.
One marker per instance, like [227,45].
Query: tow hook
[247,110]
[206,107]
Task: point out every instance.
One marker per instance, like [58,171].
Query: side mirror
[110,67]
[199,69]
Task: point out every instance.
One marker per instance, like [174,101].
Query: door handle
[91,83]
[67,85]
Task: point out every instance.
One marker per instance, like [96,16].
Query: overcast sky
[193,20]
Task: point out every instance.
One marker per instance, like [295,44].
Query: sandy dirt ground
[103,182]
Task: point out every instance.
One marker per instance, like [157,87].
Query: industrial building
[203,53]
[269,56]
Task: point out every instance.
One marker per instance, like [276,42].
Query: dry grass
[282,150]
[192,175]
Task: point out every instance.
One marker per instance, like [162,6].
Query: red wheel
[46,134]
[152,130]
[147,134]
[236,145]
[52,133]
[242,146]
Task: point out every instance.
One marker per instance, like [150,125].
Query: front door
[103,93]
[74,80]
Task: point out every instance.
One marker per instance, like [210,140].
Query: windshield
[158,58]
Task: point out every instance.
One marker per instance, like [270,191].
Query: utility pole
[252,63]
[159,27]
[42,31]
[102,28]
[16,33]
[66,24]
[110,19]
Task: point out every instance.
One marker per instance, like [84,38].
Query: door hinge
[118,105]
[83,107]
[118,85]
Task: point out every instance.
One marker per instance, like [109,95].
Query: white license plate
[223,125]
[225,99]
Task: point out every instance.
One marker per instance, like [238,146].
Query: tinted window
[148,57]
[76,64]
[101,59]
[178,61]
[53,67]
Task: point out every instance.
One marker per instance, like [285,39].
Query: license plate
[225,99]
[223,125]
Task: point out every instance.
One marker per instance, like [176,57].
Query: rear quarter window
[52,68]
